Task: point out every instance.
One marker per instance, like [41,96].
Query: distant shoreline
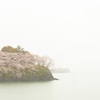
[60,70]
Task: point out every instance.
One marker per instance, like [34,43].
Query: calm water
[72,86]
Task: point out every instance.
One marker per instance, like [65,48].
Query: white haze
[68,31]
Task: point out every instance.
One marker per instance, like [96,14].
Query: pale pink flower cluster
[19,61]
[23,60]
[16,60]
[14,64]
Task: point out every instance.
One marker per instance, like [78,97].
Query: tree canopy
[27,57]
[10,49]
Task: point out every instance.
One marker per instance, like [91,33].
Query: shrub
[10,49]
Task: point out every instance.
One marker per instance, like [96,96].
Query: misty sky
[68,31]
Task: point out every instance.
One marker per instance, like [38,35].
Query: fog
[66,31]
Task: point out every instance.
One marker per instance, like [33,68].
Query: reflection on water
[71,86]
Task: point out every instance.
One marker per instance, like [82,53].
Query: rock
[55,79]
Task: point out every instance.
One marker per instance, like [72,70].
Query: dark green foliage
[41,70]
[20,49]
[37,73]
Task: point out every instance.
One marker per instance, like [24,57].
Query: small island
[16,64]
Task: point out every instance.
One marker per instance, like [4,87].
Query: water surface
[71,86]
